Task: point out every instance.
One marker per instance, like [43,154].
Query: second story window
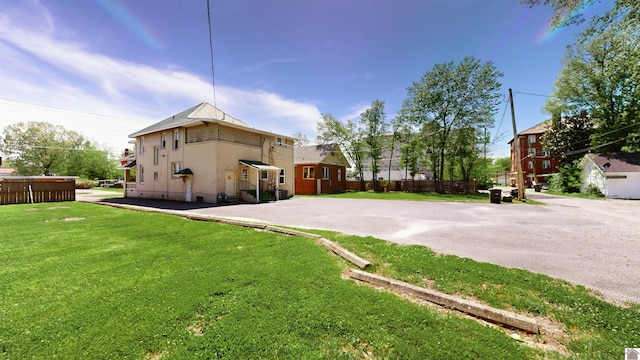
[532,152]
[176,139]
[163,140]
[142,145]
[156,155]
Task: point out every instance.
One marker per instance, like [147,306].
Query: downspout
[257,186]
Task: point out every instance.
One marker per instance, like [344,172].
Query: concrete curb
[353,258]
[466,306]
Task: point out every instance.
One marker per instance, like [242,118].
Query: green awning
[186,171]
[259,165]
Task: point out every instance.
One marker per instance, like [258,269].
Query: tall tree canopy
[453,103]
[41,148]
[623,12]
[600,84]
[348,136]
[374,127]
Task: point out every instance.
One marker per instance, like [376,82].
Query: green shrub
[85,184]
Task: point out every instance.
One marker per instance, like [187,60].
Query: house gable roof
[320,154]
[616,162]
[203,112]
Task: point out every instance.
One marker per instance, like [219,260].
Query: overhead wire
[213,74]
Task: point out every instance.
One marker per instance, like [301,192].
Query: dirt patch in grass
[153,356]
[58,207]
[67,219]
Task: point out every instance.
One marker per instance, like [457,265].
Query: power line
[532,94]
[213,74]
[61,109]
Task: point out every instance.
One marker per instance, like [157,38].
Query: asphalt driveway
[594,243]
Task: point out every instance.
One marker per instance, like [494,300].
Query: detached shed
[320,169]
[617,175]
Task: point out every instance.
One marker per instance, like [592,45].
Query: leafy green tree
[501,164]
[39,148]
[448,98]
[601,78]
[568,137]
[567,12]
[568,179]
[374,127]
[347,136]
[300,139]
[91,163]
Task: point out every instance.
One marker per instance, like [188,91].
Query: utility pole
[516,143]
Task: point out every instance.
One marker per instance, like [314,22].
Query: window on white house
[530,164]
[264,175]
[142,145]
[156,155]
[339,174]
[532,139]
[163,141]
[176,166]
[282,177]
[546,164]
[176,139]
[245,174]
[155,175]
[307,172]
[141,174]
[325,172]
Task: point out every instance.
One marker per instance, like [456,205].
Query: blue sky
[107,68]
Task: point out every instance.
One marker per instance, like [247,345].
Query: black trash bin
[537,188]
[494,196]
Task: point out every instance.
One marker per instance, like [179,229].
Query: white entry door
[319,186]
[187,191]
[230,183]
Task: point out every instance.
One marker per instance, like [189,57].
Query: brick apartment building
[536,161]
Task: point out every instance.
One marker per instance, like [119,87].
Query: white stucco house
[617,175]
[203,154]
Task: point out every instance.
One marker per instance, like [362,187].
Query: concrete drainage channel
[478,310]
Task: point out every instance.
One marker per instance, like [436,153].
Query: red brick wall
[330,185]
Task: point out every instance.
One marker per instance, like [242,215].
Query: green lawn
[399,195]
[84,281]
[425,196]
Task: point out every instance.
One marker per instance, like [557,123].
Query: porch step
[232,200]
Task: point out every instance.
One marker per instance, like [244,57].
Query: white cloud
[46,78]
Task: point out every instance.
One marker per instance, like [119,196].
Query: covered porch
[260,180]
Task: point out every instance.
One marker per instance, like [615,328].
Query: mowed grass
[85,281]
[408,196]
[423,196]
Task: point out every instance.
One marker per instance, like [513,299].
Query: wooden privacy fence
[24,190]
[449,186]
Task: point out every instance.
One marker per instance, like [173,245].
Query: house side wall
[592,175]
[623,185]
[329,185]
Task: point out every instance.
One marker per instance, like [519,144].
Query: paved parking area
[594,243]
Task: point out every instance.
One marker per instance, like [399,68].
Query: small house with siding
[202,154]
[616,175]
[320,169]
